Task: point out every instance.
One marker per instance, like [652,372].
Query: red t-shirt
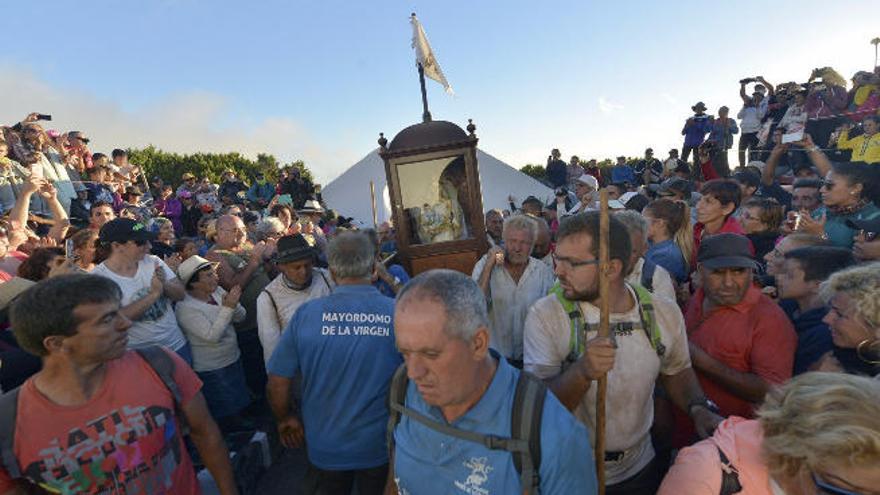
[753,336]
[125,440]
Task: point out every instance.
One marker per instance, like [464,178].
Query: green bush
[171,166]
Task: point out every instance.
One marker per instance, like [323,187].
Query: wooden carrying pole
[373,203]
[604,323]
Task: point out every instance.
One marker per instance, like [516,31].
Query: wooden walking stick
[604,319]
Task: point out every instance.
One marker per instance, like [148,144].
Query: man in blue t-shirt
[343,347]
[442,330]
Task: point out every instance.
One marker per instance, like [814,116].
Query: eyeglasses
[824,488]
[569,264]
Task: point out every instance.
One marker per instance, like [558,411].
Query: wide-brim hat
[191,266]
[12,288]
[293,248]
[588,180]
[311,206]
[726,250]
[699,106]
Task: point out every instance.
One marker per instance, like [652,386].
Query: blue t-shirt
[343,345]
[428,462]
[668,255]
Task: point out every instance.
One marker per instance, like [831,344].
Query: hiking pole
[604,318]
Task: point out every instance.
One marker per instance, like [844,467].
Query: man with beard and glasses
[299,281]
[511,281]
[648,343]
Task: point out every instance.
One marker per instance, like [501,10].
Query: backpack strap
[729,475]
[525,423]
[163,365]
[577,340]
[275,308]
[396,400]
[649,319]
[8,412]
[647,277]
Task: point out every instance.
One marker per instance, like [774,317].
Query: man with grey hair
[644,272]
[511,281]
[454,386]
[342,345]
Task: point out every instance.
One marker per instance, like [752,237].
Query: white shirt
[750,119]
[509,302]
[272,319]
[209,330]
[630,399]
[157,326]
[661,281]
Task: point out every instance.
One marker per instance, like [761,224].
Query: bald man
[244,265]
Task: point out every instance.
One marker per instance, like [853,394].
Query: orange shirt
[753,336]
[125,440]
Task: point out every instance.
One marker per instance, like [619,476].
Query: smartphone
[68,250]
[43,116]
[37,171]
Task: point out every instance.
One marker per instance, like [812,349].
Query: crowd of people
[151,323]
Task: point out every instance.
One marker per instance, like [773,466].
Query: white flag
[425,56]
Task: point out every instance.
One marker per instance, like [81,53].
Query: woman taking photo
[670,236]
[84,249]
[850,192]
[852,296]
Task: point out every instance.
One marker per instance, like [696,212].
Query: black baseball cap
[675,185]
[124,230]
[726,250]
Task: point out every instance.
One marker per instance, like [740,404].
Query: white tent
[349,194]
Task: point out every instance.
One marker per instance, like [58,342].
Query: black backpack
[524,443]
[156,357]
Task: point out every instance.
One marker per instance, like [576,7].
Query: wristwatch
[703,402]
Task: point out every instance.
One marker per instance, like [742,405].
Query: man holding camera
[751,116]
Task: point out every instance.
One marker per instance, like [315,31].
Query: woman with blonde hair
[853,298]
[671,236]
[818,434]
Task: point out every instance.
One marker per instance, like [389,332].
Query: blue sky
[319,80]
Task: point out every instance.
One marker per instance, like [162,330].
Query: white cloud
[670,99]
[607,106]
[184,122]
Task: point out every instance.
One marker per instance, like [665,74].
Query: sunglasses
[824,488]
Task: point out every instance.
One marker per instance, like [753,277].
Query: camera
[748,80]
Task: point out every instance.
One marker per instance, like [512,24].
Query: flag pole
[604,323]
[373,204]
[426,115]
